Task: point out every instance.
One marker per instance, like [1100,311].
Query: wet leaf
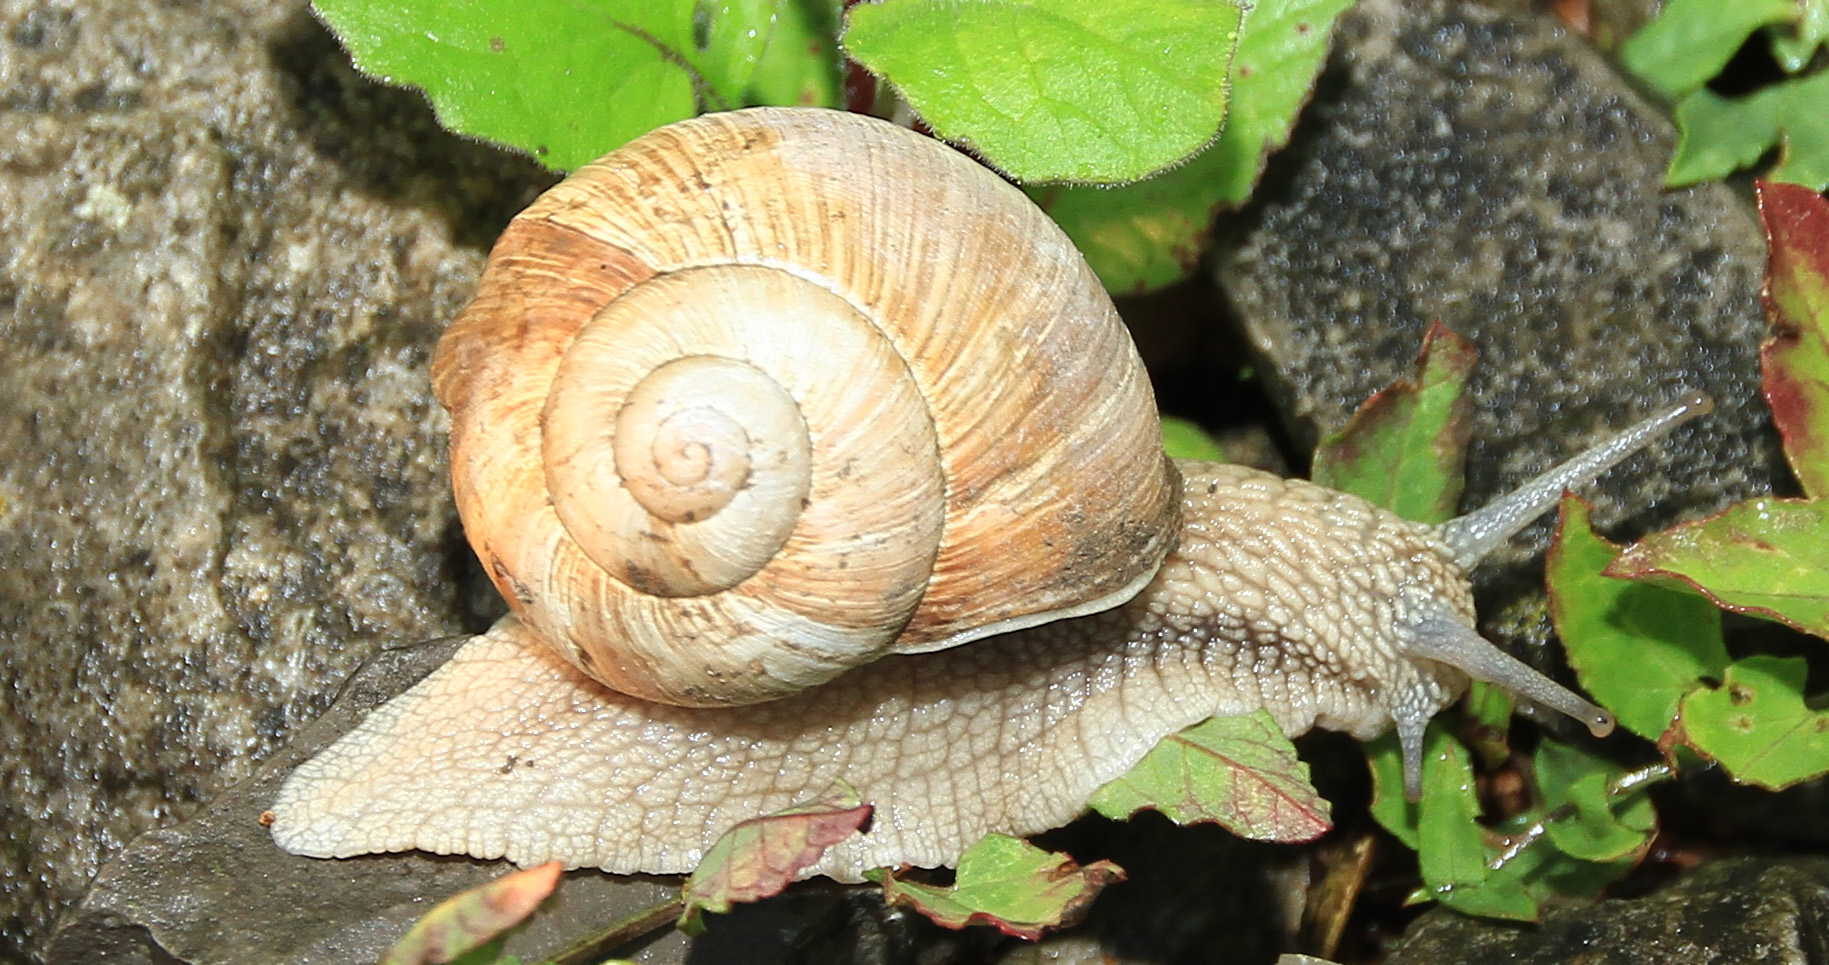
[475,917]
[1637,647]
[1240,772]
[800,65]
[1011,885]
[761,856]
[1145,235]
[1766,557]
[1758,725]
[1087,91]
[1405,447]
[1796,354]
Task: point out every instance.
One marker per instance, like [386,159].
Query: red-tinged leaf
[1238,771]
[761,856]
[1766,557]
[1796,354]
[472,918]
[1405,447]
[1009,884]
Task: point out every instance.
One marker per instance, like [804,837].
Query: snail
[806,450]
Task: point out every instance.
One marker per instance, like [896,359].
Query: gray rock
[224,260]
[1489,171]
[214,890]
[1743,911]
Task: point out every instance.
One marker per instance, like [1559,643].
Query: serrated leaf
[1691,40]
[800,66]
[1238,771]
[1757,724]
[1088,91]
[565,80]
[759,857]
[1796,354]
[1766,556]
[1600,826]
[1145,235]
[474,917]
[1637,647]
[1405,447]
[1011,885]
[1182,439]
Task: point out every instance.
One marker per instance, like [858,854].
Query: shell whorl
[763,395]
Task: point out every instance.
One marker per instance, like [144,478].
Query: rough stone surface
[224,260]
[1749,911]
[212,890]
[1491,172]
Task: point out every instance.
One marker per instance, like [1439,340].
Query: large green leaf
[1637,647]
[1089,91]
[567,80]
[1149,234]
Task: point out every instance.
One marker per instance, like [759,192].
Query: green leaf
[1405,447]
[1720,136]
[1182,439]
[1795,45]
[737,33]
[800,67]
[565,80]
[1766,557]
[1599,825]
[1637,647]
[1010,884]
[759,857]
[1238,771]
[1796,354]
[1057,90]
[474,918]
[1691,40]
[1390,808]
[1145,235]
[1757,724]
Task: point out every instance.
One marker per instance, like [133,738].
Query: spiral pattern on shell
[764,395]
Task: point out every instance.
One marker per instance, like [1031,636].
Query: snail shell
[764,395]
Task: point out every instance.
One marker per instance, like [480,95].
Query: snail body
[1037,598]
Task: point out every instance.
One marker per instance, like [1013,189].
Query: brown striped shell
[765,395]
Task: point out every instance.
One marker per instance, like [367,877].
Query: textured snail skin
[1280,594]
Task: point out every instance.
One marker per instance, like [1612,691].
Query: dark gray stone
[214,890]
[1489,171]
[224,260]
[1739,912]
